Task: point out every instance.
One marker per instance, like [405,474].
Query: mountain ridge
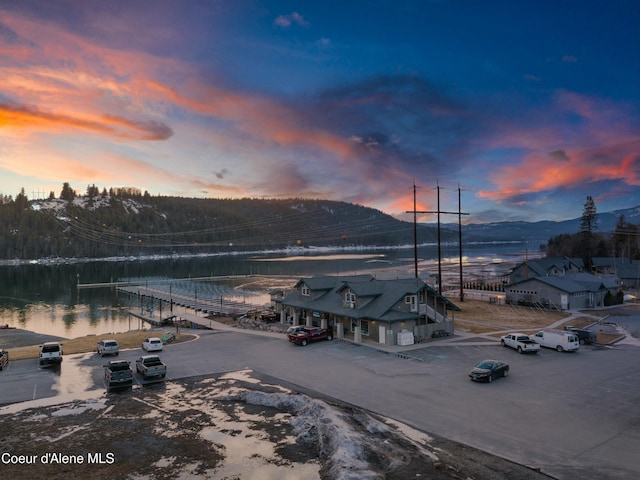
[100,226]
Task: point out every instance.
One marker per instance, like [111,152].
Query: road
[571,415]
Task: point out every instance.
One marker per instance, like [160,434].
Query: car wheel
[502,343]
[303,343]
[329,337]
[490,378]
[505,373]
[559,348]
[582,342]
[519,349]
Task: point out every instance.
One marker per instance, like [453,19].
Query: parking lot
[571,415]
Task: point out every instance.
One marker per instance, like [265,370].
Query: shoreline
[17,337]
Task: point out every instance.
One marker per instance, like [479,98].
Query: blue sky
[528,107]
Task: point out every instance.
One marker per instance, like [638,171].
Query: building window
[349,300]
[305,291]
[365,326]
[413,301]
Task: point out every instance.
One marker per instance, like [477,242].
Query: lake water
[46,298]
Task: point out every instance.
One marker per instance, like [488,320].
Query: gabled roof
[328,282]
[382,296]
[542,266]
[609,261]
[631,271]
[575,283]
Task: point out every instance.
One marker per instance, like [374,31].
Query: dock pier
[154,302]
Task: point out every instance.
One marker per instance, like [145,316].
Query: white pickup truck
[521,342]
[151,366]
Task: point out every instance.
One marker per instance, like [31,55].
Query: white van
[559,339]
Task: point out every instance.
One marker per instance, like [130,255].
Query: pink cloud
[600,145]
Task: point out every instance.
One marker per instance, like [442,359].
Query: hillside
[99,226]
[541,232]
[104,226]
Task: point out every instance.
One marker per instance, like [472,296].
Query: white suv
[152,344]
[50,353]
[108,347]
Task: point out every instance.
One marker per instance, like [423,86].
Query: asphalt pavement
[570,415]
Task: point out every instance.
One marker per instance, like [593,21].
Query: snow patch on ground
[628,339]
[315,421]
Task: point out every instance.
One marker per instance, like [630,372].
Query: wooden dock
[159,304]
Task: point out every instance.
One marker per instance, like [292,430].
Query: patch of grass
[88,344]
[482,317]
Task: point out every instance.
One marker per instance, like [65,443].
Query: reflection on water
[45,298]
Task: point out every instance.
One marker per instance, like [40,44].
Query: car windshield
[50,348]
[486,365]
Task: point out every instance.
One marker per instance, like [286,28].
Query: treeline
[126,222]
[624,242]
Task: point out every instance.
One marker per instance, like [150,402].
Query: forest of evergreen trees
[588,242]
[127,222]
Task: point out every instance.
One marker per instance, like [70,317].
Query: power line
[439,212]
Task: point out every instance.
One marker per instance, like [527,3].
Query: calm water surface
[46,298]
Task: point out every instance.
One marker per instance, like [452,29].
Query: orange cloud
[600,146]
[538,173]
[125,94]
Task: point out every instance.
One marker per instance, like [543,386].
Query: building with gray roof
[364,307]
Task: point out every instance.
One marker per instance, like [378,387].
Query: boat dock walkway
[159,307]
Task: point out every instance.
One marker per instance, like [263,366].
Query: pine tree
[67,192]
[588,223]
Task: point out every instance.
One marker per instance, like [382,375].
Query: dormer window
[349,299]
[305,291]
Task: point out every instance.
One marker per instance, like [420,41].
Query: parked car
[108,347]
[152,344]
[4,359]
[118,374]
[151,366]
[487,370]
[559,339]
[50,353]
[521,342]
[293,329]
[584,336]
[310,334]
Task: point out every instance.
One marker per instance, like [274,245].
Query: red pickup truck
[310,334]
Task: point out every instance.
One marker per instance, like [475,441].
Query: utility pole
[415,239]
[460,243]
[415,231]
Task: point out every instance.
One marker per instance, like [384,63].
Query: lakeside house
[389,312]
[562,283]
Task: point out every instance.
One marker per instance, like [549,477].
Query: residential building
[362,307]
[567,292]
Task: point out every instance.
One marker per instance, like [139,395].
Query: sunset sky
[528,106]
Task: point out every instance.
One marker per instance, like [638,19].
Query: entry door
[382,335]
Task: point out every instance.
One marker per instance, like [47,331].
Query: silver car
[108,347]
